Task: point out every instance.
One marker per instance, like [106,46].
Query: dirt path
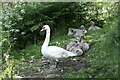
[38,69]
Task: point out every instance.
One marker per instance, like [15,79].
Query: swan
[92,27]
[82,27]
[84,46]
[53,52]
[77,32]
[73,47]
[71,44]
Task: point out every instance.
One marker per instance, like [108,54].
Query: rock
[18,77]
[44,60]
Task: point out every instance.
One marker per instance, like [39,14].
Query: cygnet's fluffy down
[84,46]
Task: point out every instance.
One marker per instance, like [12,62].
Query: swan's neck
[92,24]
[47,39]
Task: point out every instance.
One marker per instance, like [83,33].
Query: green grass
[31,50]
[103,55]
[35,50]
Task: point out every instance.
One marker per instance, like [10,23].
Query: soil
[41,68]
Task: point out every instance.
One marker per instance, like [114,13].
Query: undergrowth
[102,56]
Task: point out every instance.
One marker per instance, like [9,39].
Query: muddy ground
[41,68]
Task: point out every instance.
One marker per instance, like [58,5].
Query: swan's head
[45,27]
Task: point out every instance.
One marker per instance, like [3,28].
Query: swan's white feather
[54,52]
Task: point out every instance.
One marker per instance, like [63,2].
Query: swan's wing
[57,52]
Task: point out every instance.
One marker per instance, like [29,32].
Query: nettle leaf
[35,28]
[29,22]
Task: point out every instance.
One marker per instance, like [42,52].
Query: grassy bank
[102,55]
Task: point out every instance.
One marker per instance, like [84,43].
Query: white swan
[53,52]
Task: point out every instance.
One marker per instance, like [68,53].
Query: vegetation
[21,39]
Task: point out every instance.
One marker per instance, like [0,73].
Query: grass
[32,50]
[102,54]
[35,50]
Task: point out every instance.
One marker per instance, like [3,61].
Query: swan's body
[92,27]
[71,44]
[53,52]
[84,46]
[74,47]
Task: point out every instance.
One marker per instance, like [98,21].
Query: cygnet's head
[91,22]
[45,27]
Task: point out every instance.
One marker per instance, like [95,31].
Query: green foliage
[31,50]
[24,19]
[10,67]
[21,23]
[102,56]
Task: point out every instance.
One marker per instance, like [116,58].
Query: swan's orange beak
[42,29]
